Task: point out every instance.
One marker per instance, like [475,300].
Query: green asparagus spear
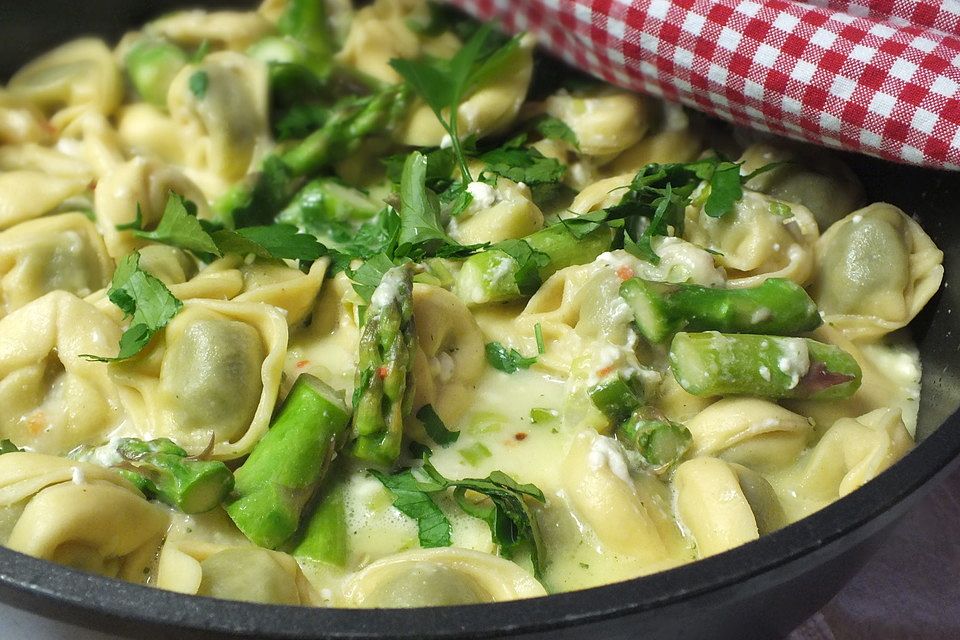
[324,199]
[777,307]
[491,276]
[306,22]
[274,50]
[384,386]
[323,538]
[617,396]
[287,466]
[151,66]
[660,441]
[258,199]
[162,470]
[716,364]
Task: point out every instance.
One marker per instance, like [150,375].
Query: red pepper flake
[520,435]
[302,363]
[603,373]
[624,272]
[383,371]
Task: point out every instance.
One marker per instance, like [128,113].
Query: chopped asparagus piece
[324,536]
[258,199]
[163,470]
[660,441]
[491,276]
[306,22]
[776,307]
[289,463]
[616,396]
[384,389]
[277,50]
[151,66]
[345,129]
[323,200]
[716,364]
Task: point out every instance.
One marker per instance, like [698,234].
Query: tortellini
[713,506]
[62,252]
[596,479]
[450,354]
[212,560]
[761,238]
[815,180]
[852,452]
[21,122]
[604,123]
[283,286]
[876,270]
[501,213]
[25,195]
[51,399]
[213,377]
[233,30]
[223,130]
[71,79]
[753,432]
[80,515]
[443,576]
[381,31]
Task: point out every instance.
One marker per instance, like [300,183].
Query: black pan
[760,590]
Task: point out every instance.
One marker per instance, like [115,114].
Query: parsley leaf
[556,129]
[419,208]
[507,360]
[6,446]
[369,274]
[198,83]
[281,241]
[444,83]
[433,527]
[513,525]
[179,227]
[523,164]
[142,298]
[726,189]
[528,263]
[434,426]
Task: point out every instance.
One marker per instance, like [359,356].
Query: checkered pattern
[877,76]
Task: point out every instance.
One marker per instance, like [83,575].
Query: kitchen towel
[880,77]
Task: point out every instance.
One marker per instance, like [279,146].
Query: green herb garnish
[434,426]
[433,527]
[443,84]
[199,82]
[507,360]
[142,298]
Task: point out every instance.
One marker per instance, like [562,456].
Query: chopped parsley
[142,298]
[507,360]
[434,426]
[199,82]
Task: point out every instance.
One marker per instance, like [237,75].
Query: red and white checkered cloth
[880,77]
